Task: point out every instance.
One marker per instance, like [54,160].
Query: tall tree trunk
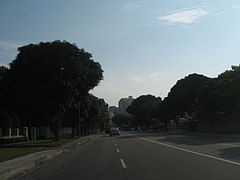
[73,132]
[79,120]
[57,123]
[57,135]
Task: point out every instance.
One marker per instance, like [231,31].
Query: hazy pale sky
[144,46]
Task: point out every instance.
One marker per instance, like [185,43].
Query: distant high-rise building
[123,105]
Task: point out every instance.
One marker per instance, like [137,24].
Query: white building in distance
[123,105]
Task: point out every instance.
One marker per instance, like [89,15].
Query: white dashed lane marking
[123,164]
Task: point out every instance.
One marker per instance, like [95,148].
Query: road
[146,157]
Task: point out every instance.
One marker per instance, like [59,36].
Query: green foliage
[123,120]
[47,79]
[12,153]
[93,110]
[3,71]
[143,109]
[181,99]
[221,97]
[207,100]
[182,96]
[5,120]
[38,143]
[96,113]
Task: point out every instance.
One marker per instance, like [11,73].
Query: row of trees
[210,104]
[48,85]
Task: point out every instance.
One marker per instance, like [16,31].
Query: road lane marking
[192,152]
[123,163]
[118,150]
[115,144]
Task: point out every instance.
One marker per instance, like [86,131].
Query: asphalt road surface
[146,157]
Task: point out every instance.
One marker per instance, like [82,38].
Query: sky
[143,46]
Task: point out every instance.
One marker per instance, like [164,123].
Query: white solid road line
[115,144]
[123,163]
[118,150]
[193,152]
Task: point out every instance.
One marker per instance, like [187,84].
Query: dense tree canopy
[220,98]
[3,70]
[143,109]
[124,121]
[182,96]
[47,79]
[94,114]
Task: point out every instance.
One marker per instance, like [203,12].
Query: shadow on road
[195,140]
[230,151]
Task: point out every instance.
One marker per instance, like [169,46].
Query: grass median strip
[12,153]
[15,150]
[39,143]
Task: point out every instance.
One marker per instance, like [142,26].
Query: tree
[143,109]
[94,111]
[182,96]
[3,71]
[47,79]
[219,100]
[181,99]
[123,120]
[5,120]
[98,115]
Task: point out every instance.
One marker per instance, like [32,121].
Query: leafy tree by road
[124,121]
[182,96]
[143,109]
[219,100]
[47,79]
[94,115]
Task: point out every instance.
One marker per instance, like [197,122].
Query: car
[114,131]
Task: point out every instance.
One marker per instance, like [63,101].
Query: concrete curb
[19,170]
[76,144]
[83,141]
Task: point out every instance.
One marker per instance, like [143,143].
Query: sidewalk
[11,168]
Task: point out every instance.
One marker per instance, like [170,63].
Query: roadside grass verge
[37,143]
[15,150]
[12,153]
